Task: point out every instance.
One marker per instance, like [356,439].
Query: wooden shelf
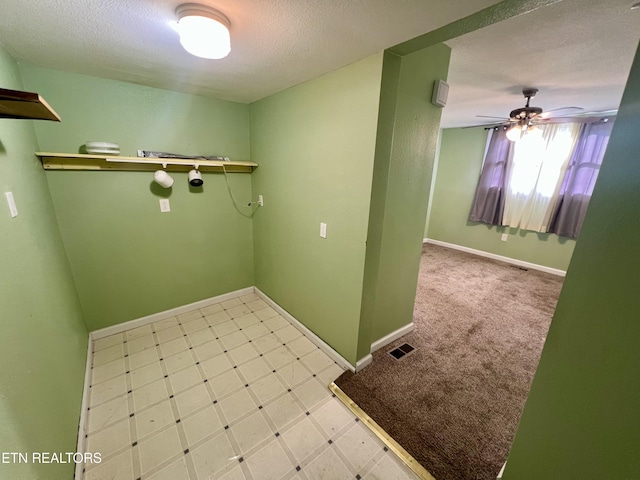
[25,105]
[78,161]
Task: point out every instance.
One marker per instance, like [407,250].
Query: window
[544,181]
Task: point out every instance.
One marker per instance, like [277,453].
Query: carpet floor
[454,403]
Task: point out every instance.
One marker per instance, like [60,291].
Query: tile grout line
[182,434]
[133,430]
[91,435]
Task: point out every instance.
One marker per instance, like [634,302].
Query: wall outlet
[164,205]
[504,237]
[260,201]
[323,230]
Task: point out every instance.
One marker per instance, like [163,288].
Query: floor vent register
[401,351]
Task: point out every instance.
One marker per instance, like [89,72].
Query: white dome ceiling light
[204,32]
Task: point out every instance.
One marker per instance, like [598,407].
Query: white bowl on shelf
[101,148]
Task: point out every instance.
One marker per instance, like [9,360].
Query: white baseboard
[501,471]
[380,343]
[335,356]
[82,426]
[363,362]
[139,322]
[393,336]
[512,261]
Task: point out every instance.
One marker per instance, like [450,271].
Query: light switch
[164,205]
[504,237]
[323,230]
[13,209]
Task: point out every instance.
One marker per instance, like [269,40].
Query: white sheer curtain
[535,175]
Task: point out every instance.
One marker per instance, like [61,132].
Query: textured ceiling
[577,52]
[275,43]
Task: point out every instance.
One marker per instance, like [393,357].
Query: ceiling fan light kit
[204,31]
[523,120]
[526,112]
[523,116]
[514,133]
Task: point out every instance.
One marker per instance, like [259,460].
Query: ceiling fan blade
[556,112]
[487,125]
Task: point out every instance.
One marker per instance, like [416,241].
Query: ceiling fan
[524,118]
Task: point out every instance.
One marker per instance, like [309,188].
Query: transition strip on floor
[391,444]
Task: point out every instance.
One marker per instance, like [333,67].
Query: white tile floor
[230,391]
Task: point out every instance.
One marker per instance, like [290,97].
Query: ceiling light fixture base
[526,112]
[197,10]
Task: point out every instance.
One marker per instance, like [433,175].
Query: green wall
[129,259]
[43,340]
[581,418]
[315,144]
[458,170]
[405,153]
[136,117]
